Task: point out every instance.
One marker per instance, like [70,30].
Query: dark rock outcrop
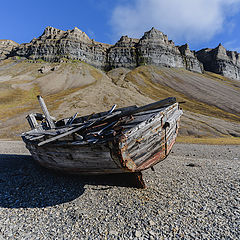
[220,61]
[190,61]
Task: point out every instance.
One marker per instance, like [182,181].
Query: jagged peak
[220,51]
[7,42]
[76,33]
[77,30]
[127,39]
[52,31]
[156,36]
[124,38]
[220,46]
[185,46]
[185,50]
[153,33]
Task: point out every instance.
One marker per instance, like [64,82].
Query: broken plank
[46,113]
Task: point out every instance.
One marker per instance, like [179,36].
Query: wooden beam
[32,121]
[45,111]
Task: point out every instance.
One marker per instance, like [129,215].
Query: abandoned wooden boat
[121,140]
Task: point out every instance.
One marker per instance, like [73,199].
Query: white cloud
[181,20]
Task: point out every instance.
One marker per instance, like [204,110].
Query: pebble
[180,202]
[152,233]
[113,232]
[151,223]
[138,234]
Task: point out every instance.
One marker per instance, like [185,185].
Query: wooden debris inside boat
[129,139]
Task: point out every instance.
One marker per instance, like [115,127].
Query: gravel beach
[193,194]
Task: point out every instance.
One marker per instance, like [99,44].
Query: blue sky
[201,23]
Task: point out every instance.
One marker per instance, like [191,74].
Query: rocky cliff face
[221,61]
[57,45]
[153,48]
[123,53]
[191,63]
[6,47]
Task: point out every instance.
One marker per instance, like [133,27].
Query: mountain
[6,46]
[220,61]
[76,74]
[153,48]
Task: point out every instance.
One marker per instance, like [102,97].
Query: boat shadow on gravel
[25,184]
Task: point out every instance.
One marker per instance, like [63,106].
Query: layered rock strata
[153,48]
[56,45]
[220,61]
[190,61]
[6,47]
[123,53]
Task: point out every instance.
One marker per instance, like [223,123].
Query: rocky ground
[193,194]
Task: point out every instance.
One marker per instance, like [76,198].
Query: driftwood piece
[46,113]
[70,121]
[32,121]
[86,125]
[62,135]
[160,104]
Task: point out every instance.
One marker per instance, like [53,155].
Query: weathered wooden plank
[45,111]
[152,149]
[162,115]
[100,160]
[147,149]
[152,111]
[61,135]
[102,114]
[70,120]
[149,142]
[152,106]
[32,121]
[148,127]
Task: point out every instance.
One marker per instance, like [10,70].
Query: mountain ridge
[153,48]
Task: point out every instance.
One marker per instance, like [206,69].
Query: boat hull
[145,140]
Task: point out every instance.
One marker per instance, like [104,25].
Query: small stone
[151,223]
[152,233]
[138,233]
[112,232]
